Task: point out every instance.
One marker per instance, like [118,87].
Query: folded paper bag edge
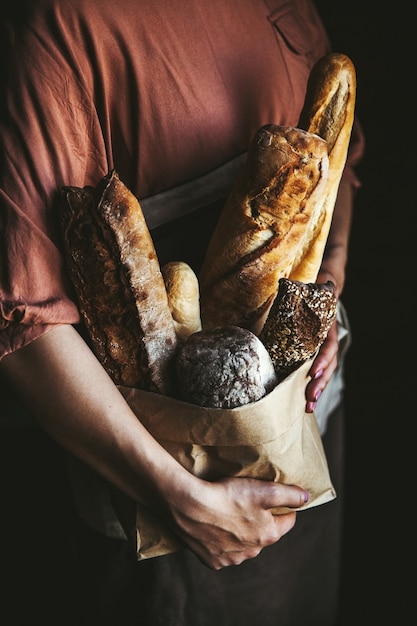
[255,423]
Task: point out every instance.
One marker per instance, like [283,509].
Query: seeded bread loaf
[298,323]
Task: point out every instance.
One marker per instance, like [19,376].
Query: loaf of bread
[260,228]
[328,111]
[276,220]
[115,271]
[224,368]
[298,323]
[183,293]
[230,366]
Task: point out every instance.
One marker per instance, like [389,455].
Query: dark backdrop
[380,298]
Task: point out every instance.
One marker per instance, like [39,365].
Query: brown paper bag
[272,439]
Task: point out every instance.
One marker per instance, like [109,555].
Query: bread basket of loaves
[215,366]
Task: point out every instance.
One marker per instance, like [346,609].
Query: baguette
[257,236]
[328,111]
[270,229]
[114,268]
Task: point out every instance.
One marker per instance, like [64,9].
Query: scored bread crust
[260,228]
[115,271]
[328,111]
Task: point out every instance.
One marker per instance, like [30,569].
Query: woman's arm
[76,402]
[333,268]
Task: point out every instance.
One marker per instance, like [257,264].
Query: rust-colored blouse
[163,91]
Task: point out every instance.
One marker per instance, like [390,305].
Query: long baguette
[328,111]
[260,237]
[257,236]
[115,271]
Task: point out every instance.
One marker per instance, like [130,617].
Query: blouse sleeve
[49,137]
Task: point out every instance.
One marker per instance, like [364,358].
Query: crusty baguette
[183,292]
[328,111]
[260,236]
[259,231]
[298,323]
[115,271]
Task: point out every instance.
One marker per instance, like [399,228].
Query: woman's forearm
[335,257]
[74,400]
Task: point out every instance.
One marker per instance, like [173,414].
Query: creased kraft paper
[272,439]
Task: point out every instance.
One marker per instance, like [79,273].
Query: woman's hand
[322,369]
[229,521]
[332,268]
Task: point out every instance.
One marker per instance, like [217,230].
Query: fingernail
[317,395]
[318,374]
[306,496]
[311,407]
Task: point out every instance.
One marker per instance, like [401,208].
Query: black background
[380,298]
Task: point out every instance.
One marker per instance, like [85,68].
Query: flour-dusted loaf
[115,271]
[224,368]
[261,226]
[298,323]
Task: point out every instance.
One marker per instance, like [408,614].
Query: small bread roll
[183,292]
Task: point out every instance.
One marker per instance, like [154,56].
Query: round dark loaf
[224,368]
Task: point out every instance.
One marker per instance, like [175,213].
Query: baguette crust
[115,271]
[328,111]
[260,228]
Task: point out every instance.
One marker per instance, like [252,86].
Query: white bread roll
[183,293]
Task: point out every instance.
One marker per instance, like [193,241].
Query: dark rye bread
[298,323]
[114,268]
[224,368]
